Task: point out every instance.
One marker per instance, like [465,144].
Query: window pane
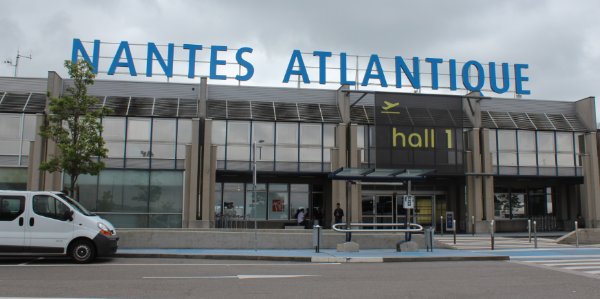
[287,154]
[278,201]
[310,134]
[10,126]
[238,152]
[493,141]
[238,133]
[264,131]
[565,160]
[546,159]
[360,137]
[218,132]
[256,209]
[114,128]
[233,200]
[123,191]
[507,140]
[564,142]
[166,191]
[115,149]
[163,130]
[184,131]
[138,129]
[526,141]
[29,127]
[508,159]
[287,133]
[545,141]
[329,135]
[310,155]
[527,159]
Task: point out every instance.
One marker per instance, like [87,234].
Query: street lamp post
[254,197]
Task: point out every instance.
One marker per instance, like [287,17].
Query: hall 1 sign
[416,131]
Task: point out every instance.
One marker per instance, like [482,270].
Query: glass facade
[515,203]
[142,185]
[274,201]
[134,198]
[281,146]
[538,153]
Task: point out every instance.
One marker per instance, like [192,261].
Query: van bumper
[105,246]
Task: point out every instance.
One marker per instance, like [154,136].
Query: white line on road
[554,256]
[230,277]
[169,265]
[564,261]
[571,264]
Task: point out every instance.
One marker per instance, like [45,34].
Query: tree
[74,124]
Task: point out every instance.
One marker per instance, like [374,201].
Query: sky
[559,40]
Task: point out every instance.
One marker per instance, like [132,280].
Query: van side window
[48,206]
[11,207]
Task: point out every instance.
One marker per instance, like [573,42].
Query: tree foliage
[74,124]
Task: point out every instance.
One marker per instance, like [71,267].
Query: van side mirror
[68,215]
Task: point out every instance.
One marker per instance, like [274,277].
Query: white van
[51,223]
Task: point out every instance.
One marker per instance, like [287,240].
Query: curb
[318,259]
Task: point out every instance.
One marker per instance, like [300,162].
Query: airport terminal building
[181,155]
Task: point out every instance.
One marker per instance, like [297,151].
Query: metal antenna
[16,65]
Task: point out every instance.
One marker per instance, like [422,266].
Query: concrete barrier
[244,239]
[586,236]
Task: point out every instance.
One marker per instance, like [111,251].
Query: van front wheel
[82,251]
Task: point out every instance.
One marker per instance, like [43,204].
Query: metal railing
[396,227]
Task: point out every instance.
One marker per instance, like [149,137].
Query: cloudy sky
[560,40]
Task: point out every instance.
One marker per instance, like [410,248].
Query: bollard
[454,227]
[473,225]
[442,225]
[316,236]
[529,229]
[492,233]
[576,235]
[535,234]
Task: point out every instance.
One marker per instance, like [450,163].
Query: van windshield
[75,205]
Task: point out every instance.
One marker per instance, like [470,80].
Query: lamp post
[254,198]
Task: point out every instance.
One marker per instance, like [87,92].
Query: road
[197,278]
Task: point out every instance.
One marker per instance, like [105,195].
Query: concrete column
[487,178]
[338,159]
[590,193]
[343,101]
[208,174]
[475,200]
[354,163]
[36,156]
[186,213]
[51,181]
[194,175]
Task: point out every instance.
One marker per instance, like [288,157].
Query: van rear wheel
[82,251]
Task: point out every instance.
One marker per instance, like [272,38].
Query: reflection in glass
[233,199]
[264,131]
[256,209]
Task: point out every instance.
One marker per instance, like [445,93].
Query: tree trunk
[72,188]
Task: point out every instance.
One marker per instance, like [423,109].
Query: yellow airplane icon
[389,106]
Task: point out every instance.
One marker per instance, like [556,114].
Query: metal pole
[454,227]
[254,194]
[492,234]
[473,225]
[576,235]
[535,234]
[442,225]
[529,229]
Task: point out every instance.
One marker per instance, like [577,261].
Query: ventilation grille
[272,111]
[22,102]
[412,117]
[531,121]
[159,107]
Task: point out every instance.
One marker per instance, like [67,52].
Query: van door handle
[20,221]
[31,221]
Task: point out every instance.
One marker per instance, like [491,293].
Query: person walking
[338,214]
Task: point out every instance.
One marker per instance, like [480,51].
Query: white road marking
[164,265]
[553,256]
[231,277]
[564,260]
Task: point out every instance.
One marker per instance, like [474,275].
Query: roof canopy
[378,174]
